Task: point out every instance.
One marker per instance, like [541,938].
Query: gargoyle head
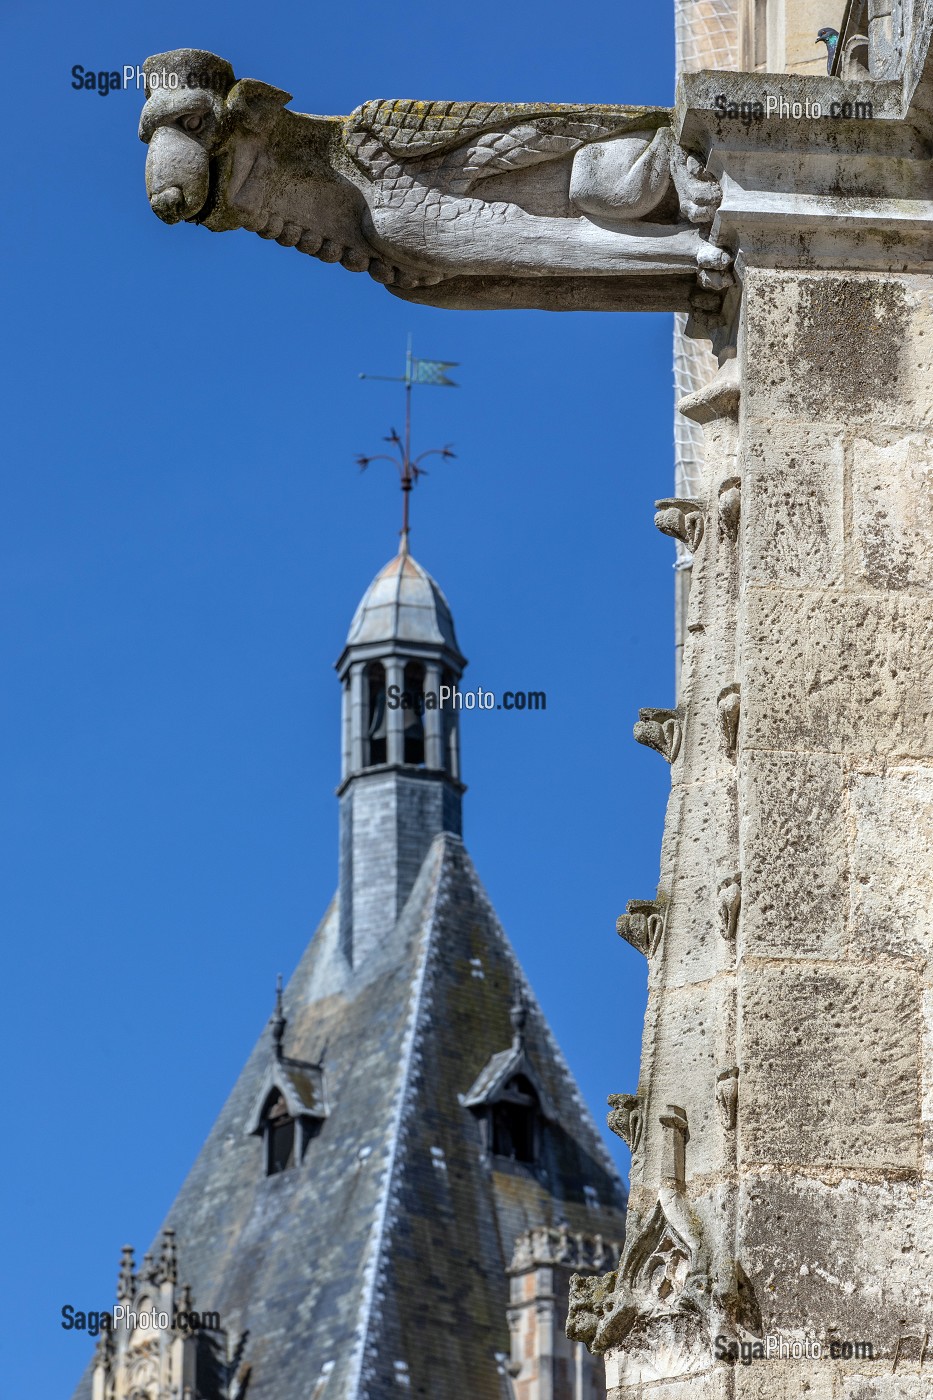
[194,106]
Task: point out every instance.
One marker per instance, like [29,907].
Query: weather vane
[409,468]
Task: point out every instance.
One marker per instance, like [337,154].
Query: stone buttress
[781,1206]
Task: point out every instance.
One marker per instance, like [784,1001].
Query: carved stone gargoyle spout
[642,924]
[625,1119]
[682,519]
[659,730]
[486,204]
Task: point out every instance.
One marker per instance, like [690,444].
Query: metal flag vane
[409,468]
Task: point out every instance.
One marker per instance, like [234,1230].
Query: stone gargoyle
[456,204]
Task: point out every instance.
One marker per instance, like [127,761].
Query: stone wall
[789,1016]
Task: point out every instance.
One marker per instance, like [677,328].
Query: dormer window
[278,1135]
[509,1100]
[291,1105]
[514,1120]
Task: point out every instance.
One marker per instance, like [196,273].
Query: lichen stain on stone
[849,340]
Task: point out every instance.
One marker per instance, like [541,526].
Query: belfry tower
[401,749]
[404,1177]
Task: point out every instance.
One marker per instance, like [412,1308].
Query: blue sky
[184,540]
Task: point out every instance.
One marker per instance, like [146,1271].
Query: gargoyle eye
[193,122]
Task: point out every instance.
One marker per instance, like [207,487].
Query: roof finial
[518,1014]
[278,1020]
[409,468]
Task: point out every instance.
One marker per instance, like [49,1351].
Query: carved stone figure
[625,1119]
[728,704]
[562,203]
[729,903]
[642,924]
[683,519]
[730,507]
[666,1295]
[727,1097]
[660,730]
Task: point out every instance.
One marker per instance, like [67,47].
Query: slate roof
[381,1258]
[403,604]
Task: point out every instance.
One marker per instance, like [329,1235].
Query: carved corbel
[642,924]
[682,519]
[660,730]
[625,1119]
[728,705]
[666,1289]
[729,903]
[730,507]
[727,1097]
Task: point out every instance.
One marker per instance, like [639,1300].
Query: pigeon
[829,37]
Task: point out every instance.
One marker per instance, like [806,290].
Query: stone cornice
[806,181]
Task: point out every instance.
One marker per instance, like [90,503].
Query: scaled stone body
[505,204]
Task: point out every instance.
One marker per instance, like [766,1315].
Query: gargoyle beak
[177,175]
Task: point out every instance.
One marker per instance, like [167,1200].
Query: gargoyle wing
[472,140]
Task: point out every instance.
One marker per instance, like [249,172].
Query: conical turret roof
[403,604]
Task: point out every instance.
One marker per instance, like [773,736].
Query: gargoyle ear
[255,105]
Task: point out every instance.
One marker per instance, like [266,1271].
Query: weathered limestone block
[787,1380]
[853,347]
[892,511]
[702,827]
[851,1255]
[713,1385]
[830,1067]
[699,852]
[691,1047]
[795,855]
[839,672]
[793,485]
[892,890]
[926,1107]
[881,1383]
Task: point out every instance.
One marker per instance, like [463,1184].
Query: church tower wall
[387,823]
[400,783]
